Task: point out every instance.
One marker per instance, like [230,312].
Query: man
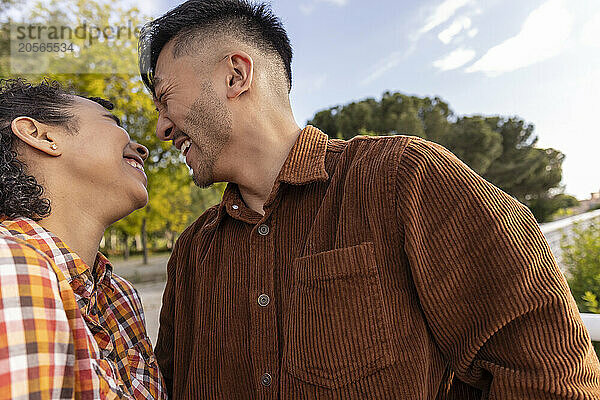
[69,327]
[375,268]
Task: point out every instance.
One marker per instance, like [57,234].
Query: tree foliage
[581,257]
[500,149]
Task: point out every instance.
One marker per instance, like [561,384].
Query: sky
[535,59]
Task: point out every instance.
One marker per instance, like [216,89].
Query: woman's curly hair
[20,193]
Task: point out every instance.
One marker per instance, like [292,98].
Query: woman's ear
[36,135]
[240,73]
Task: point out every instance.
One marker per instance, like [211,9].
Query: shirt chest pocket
[337,330]
[146,380]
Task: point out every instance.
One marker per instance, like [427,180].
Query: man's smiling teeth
[185,146]
[134,164]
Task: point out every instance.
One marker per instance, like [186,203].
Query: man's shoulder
[412,151]
[379,154]
[370,146]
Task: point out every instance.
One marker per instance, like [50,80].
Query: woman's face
[103,169]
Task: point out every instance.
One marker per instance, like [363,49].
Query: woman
[69,327]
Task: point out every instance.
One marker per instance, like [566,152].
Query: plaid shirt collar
[77,272]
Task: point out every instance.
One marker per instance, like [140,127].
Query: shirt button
[266,379]
[263,229]
[263,300]
[235,206]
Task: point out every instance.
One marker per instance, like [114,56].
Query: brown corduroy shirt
[383,268]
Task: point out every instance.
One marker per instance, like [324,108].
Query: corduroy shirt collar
[304,164]
[306,161]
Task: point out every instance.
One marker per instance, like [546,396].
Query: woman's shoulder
[25,272]
[17,251]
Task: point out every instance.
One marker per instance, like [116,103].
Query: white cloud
[148,7]
[308,8]
[473,32]
[340,3]
[544,35]
[383,66]
[310,84]
[456,59]
[442,13]
[590,33]
[459,24]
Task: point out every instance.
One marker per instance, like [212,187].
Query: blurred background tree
[581,258]
[5,6]
[502,150]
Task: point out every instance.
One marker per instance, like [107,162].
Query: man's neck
[264,155]
[80,231]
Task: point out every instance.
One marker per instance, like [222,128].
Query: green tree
[581,257]
[5,24]
[472,140]
[328,122]
[355,116]
[436,119]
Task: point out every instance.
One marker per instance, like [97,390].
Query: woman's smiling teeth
[134,164]
[186,146]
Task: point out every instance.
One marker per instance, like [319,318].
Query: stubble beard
[209,125]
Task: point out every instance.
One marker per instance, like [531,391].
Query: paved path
[135,271]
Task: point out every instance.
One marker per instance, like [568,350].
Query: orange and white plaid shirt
[68,331]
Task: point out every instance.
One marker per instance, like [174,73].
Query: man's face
[191,112]
[99,165]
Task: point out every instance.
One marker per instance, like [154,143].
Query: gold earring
[53,146]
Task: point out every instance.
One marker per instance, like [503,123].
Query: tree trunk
[138,242]
[126,242]
[144,241]
[113,240]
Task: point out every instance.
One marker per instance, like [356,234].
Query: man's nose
[164,129]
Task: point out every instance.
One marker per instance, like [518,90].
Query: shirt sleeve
[36,349]
[493,296]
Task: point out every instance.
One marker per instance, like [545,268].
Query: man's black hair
[48,103]
[256,22]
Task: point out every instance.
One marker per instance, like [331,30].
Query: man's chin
[202,181]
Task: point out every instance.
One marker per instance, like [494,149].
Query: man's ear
[240,72]
[36,135]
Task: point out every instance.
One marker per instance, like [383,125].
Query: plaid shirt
[66,330]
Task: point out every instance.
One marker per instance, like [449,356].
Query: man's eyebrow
[114,118]
[157,81]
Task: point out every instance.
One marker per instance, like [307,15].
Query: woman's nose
[141,150]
